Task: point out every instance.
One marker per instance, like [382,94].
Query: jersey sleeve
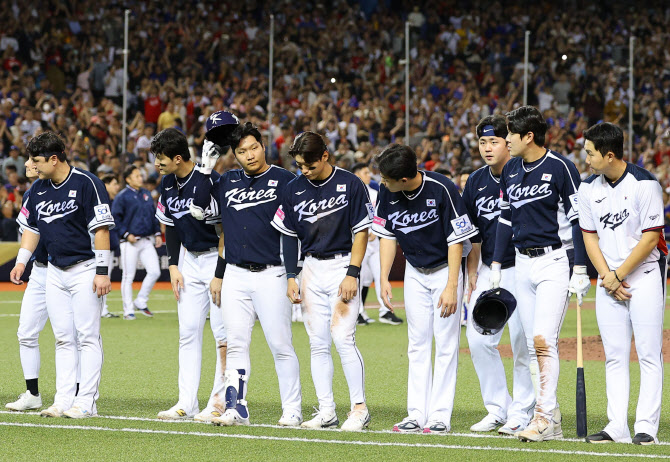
[585,218]
[381,226]
[118,212]
[568,191]
[457,224]
[163,212]
[468,199]
[650,204]
[283,220]
[27,218]
[362,210]
[505,216]
[97,209]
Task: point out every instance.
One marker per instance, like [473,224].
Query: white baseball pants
[32,319]
[144,251]
[489,366]
[430,395]
[249,294]
[328,319]
[642,315]
[195,303]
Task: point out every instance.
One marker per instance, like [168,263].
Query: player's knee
[28,341]
[342,340]
[541,346]
[153,274]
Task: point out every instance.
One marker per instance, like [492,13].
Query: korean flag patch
[272,183]
[546,177]
[102,213]
[73,193]
[341,187]
[462,225]
[430,202]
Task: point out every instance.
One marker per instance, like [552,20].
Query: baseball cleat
[76,412]
[174,413]
[487,424]
[357,420]
[26,402]
[511,428]
[361,320]
[110,315]
[390,318]
[129,317]
[52,411]
[145,311]
[322,419]
[408,425]
[601,437]
[290,419]
[230,418]
[644,439]
[436,428]
[540,429]
[207,414]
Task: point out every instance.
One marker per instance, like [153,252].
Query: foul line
[341,442]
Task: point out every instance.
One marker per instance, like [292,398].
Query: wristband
[354,271]
[220,268]
[290,276]
[102,262]
[23,256]
[496,266]
[616,276]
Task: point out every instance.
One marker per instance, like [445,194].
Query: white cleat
[26,402]
[540,429]
[231,418]
[209,413]
[512,428]
[290,419]
[357,420]
[174,413]
[487,424]
[52,411]
[76,412]
[322,419]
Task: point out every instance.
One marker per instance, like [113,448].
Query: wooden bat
[581,390]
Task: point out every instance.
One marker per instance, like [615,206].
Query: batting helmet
[492,310]
[219,126]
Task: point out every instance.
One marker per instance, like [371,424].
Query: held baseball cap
[492,310]
[219,126]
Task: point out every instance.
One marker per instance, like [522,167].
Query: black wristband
[354,271]
[220,268]
[616,276]
[101,271]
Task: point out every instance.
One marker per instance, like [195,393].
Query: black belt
[253,267]
[39,264]
[320,256]
[534,252]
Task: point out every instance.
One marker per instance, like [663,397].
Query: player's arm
[448,303]
[29,241]
[118,213]
[290,252]
[101,282]
[503,234]
[173,246]
[217,280]
[349,286]
[207,189]
[472,264]
[387,251]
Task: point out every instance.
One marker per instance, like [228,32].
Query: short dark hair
[310,146]
[129,170]
[11,168]
[242,131]
[109,178]
[606,137]
[359,166]
[527,119]
[498,122]
[47,144]
[397,161]
[170,143]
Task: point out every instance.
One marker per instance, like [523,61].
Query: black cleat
[390,318]
[601,437]
[361,321]
[643,439]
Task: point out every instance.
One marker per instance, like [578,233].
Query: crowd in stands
[338,69]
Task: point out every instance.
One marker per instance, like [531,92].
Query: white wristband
[579,269]
[102,258]
[23,256]
[496,266]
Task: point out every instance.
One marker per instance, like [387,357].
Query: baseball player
[32,319]
[425,214]
[621,216]
[112,188]
[65,204]
[190,275]
[324,208]
[370,270]
[538,214]
[481,196]
[252,278]
[136,223]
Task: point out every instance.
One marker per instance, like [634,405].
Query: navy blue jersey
[325,215]
[64,215]
[40,254]
[482,200]
[248,204]
[539,201]
[424,222]
[173,210]
[134,213]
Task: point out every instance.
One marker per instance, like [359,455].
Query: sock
[31,386]
[364,294]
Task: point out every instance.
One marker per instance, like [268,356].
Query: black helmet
[492,310]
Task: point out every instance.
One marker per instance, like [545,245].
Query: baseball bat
[581,389]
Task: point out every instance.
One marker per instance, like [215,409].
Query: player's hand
[16,273]
[621,294]
[472,285]
[293,291]
[196,212]
[131,238]
[215,290]
[102,285]
[610,283]
[448,301]
[348,288]
[210,155]
[386,294]
[177,281]
[579,283]
[496,275]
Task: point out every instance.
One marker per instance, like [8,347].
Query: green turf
[140,379]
